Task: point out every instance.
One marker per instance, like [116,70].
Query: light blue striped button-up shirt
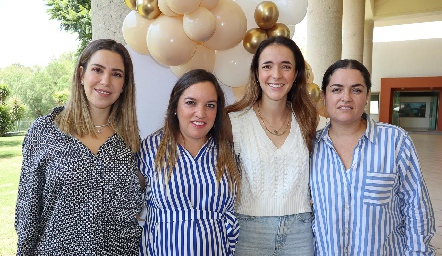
[380,205]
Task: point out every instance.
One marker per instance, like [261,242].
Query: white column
[324,35]
[353,29]
[368,50]
[107,19]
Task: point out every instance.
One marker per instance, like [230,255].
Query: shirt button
[346,206]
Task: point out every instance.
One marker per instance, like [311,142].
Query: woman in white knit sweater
[273,126]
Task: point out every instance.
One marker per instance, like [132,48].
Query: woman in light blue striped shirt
[191,174]
[369,195]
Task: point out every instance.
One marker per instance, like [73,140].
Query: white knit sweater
[274,181]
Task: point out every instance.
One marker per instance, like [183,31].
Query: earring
[82,82]
[174,113]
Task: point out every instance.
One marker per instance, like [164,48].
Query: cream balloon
[203,58]
[209,4]
[135,30]
[231,24]
[249,6]
[167,42]
[232,66]
[291,12]
[162,4]
[183,6]
[199,25]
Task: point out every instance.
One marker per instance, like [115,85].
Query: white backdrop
[154,82]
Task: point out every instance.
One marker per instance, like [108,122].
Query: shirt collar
[370,132]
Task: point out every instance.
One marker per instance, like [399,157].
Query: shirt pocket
[378,188]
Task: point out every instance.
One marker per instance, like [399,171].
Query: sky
[28,37]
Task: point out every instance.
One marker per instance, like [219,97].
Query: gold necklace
[101,127]
[275,132]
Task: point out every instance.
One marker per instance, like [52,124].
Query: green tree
[4,93]
[5,119]
[61,97]
[17,110]
[75,17]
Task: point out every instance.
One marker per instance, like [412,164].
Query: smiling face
[196,112]
[103,79]
[276,72]
[346,96]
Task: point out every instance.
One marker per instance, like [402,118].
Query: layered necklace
[275,132]
[101,127]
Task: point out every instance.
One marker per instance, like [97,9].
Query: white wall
[416,58]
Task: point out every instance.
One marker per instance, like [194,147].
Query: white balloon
[135,30]
[199,25]
[203,58]
[249,6]
[232,66]
[291,12]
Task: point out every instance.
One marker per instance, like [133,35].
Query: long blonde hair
[76,118]
[167,154]
[303,107]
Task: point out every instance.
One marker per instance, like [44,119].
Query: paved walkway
[429,149]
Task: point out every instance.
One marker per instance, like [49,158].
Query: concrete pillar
[107,19]
[353,29]
[368,51]
[324,35]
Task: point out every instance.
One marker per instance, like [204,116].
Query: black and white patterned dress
[72,202]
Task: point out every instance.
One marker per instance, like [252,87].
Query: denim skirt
[275,235]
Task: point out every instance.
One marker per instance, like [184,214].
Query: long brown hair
[166,156]
[76,119]
[298,95]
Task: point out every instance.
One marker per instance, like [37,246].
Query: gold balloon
[314,92]
[253,38]
[266,14]
[309,73]
[279,30]
[148,9]
[132,4]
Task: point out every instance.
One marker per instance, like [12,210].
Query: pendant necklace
[275,132]
[101,127]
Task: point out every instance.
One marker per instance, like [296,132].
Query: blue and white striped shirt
[192,214]
[380,205]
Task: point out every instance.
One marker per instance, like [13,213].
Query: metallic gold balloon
[253,38]
[314,92]
[266,14]
[148,9]
[309,73]
[279,30]
[132,4]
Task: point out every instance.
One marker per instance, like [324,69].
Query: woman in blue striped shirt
[369,196]
[191,174]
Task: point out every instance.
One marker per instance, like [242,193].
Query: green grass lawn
[10,165]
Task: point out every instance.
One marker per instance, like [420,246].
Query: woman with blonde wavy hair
[79,190]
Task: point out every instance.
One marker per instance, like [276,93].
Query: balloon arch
[220,36]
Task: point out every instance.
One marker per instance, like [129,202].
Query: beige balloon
[162,4]
[231,24]
[209,4]
[199,25]
[279,30]
[167,42]
[253,38]
[148,9]
[183,6]
[132,4]
[266,14]
[203,58]
[135,30]
[314,92]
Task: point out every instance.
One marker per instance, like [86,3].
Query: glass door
[434,104]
